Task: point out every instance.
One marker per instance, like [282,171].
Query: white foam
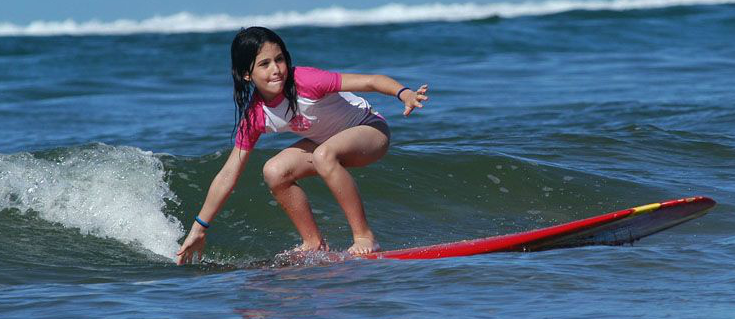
[105,191]
[335,16]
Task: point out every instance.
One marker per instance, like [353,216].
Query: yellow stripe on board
[646,208]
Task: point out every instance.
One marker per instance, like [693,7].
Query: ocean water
[540,113]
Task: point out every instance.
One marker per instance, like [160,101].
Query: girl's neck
[271,101]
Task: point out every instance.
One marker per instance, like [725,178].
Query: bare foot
[363,246]
[312,247]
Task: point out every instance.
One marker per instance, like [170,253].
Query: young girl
[339,130]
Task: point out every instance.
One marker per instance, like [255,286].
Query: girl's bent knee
[274,174]
[324,159]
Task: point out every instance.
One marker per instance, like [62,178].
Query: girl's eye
[280,59]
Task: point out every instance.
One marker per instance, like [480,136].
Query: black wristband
[398,95]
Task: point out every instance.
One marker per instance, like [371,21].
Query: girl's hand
[194,243]
[413,99]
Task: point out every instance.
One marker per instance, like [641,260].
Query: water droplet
[493,178]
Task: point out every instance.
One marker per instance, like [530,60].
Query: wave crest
[333,16]
[105,191]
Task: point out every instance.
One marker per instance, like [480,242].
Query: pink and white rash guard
[322,111]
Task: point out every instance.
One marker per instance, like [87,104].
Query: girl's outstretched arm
[219,191]
[386,85]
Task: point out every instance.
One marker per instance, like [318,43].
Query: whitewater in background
[334,17]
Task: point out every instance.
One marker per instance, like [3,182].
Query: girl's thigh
[357,146]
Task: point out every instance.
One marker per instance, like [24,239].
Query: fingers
[184,247]
[418,98]
[185,258]
[421,96]
[407,110]
[186,254]
[193,244]
[181,257]
[422,90]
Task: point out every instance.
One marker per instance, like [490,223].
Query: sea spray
[102,190]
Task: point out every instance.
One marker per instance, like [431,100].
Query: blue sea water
[109,140]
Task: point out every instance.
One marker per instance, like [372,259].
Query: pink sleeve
[246,138]
[314,83]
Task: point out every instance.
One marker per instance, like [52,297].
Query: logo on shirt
[299,123]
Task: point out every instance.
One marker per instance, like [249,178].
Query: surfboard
[616,228]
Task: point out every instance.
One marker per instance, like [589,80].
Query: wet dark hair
[245,48]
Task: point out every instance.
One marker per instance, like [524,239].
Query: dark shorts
[378,122]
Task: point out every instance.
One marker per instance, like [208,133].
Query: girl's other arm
[386,85]
[219,191]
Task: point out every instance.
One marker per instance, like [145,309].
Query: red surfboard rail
[614,228]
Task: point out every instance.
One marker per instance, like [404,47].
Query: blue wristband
[201,222]
[398,95]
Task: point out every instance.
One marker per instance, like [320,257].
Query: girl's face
[269,71]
